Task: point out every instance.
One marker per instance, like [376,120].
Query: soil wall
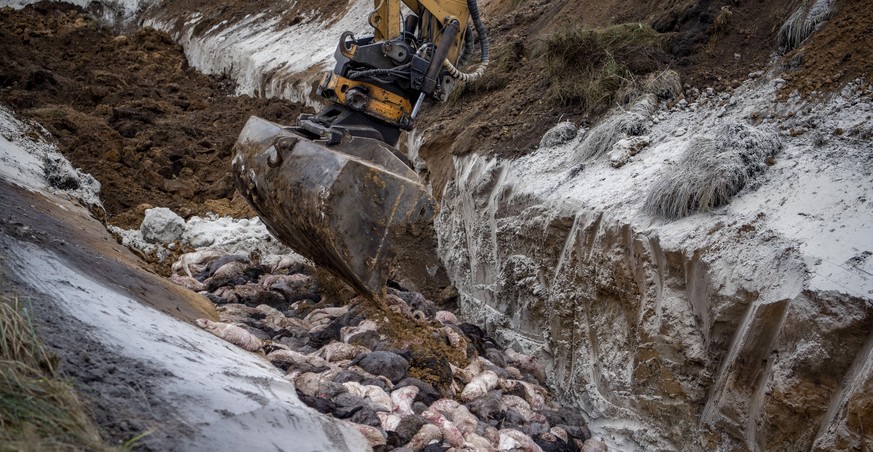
[667,343]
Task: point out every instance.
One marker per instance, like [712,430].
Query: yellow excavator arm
[409,58]
[334,187]
[387,24]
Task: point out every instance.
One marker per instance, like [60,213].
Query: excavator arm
[387,21]
[389,75]
[334,187]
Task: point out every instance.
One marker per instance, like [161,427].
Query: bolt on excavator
[334,187]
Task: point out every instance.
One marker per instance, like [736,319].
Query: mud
[122,393]
[27,216]
[131,112]
[140,371]
[128,110]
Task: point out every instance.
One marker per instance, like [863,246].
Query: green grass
[38,411]
[584,66]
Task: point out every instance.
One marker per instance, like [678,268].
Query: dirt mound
[838,53]
[128,109]
[710,43]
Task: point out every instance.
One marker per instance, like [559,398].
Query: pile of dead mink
[350,359]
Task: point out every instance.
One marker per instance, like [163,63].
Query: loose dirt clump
[128,110]
[430,355]
[837,54]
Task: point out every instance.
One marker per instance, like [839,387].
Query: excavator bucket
[341,205]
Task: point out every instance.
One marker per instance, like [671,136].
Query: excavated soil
[838,53]
[129,110]
[710,43]
[104,378]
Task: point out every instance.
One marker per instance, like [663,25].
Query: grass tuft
[665,84]
[803,23]
[38,411]
[623,123]
[712,171]
[585,67]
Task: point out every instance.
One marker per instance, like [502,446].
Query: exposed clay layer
[750,326]
[674,339]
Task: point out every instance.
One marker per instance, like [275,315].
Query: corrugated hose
[473,6]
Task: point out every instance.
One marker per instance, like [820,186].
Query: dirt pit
[128,110]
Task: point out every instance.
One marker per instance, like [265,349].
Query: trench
[128,309]
[653,330]
[651,340]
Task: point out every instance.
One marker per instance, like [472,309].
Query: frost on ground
[113,12]
[625,148]
[163,231]
[658,326]
[28,160]
[109,321]
[262,55]
[162,225]
[218,392]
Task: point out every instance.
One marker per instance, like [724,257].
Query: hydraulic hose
[469,43]
[473,6]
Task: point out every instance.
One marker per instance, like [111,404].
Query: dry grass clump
[37,410]
[665,84]
[803,23]
[621,124]
[587,67]
[712,170]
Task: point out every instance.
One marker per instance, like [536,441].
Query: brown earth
[129,110]
[215,15]
[711,43]
[104,378]
[430,355]
[840,52]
